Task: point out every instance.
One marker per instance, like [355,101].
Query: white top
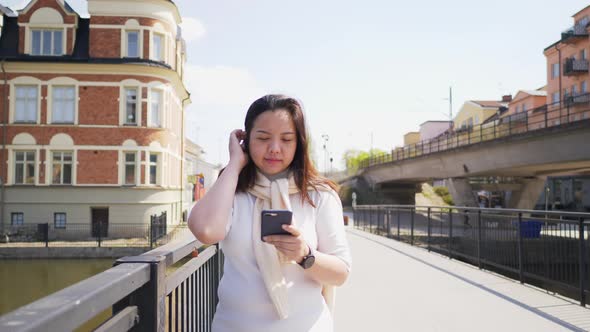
[244,304]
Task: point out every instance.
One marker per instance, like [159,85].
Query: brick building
[94,115]
[568,72]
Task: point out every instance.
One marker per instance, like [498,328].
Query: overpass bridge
[524,148]
[415,269]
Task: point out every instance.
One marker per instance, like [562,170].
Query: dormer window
[45,33]
[47,42]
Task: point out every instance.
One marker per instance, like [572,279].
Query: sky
[366,72]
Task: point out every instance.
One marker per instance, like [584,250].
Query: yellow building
[412,137]
[475,112]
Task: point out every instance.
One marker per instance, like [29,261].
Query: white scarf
[275,195]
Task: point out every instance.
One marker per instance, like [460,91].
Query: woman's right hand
[237,155]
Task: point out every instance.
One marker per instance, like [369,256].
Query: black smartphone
[272,222]
[245,143]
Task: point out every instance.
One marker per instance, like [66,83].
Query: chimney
[506,98]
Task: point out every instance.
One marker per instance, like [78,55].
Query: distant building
[568,97]
[568,72]
[412,137]
[95,118]
[476,112]
[197,169]
[526,101]
[433,129]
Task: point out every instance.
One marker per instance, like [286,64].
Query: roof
[7,11]
[69,8]
[65,4]
[437,121]
[495,116]
[540,93]
[490,103]
[581,10]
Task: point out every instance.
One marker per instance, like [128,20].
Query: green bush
[441,191]
[444,193]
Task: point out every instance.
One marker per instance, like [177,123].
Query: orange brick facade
[569,90]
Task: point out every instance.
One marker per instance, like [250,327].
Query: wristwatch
[308,260]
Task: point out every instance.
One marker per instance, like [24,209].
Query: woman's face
[273,141]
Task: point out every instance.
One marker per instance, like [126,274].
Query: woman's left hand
[293,246]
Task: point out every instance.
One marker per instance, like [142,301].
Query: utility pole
[450,108]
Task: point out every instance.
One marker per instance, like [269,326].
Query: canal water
[26,280]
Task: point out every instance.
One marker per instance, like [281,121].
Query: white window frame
[53,109]
[42,41]
[155,164]
[583,87]
[23,164]
[583,54]
[62,224]
[555,71]
[19,221]
[160,111]
[62,162]
[161,49]
[125,163]
[139,44]
[555,97]
[125,120]
[523,109]
[36,102]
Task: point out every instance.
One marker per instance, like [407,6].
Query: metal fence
[548,249]
[152,234]
[571,109]
[166,289]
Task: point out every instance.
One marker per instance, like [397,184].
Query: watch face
[308,262]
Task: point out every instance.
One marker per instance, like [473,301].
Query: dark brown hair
[305,174]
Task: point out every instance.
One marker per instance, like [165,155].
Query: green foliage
[353,158]
[444,193]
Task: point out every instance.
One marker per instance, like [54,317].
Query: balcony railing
[577,99]
[573,67]
[578,30]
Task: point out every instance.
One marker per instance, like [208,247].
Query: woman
[281,282]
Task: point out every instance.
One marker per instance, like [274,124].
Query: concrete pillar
[528,195]
[461,191]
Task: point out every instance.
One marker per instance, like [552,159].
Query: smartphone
[244,143]
[272,222]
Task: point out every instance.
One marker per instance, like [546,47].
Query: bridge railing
[170,288]
[572,108]
[548,249]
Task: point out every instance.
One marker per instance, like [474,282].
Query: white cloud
[192,29]
[221,86]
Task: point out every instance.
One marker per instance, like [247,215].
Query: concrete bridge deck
[396,287]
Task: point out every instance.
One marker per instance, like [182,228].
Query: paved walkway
[396,287]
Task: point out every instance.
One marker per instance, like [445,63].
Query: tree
[353,158]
